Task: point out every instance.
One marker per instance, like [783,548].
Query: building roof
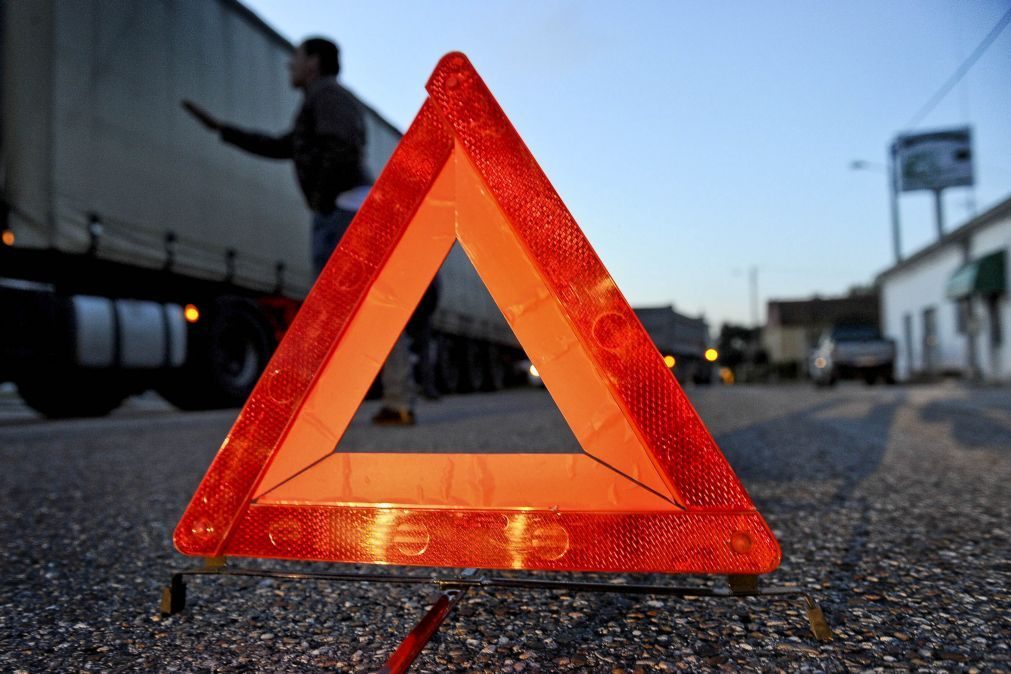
[963,232]
[820,311]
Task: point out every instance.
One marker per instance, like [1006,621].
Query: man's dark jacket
[327,143]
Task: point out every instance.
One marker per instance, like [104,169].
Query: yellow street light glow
[8,237]
[534,372]
[712,355]
[669,361]
[191,313]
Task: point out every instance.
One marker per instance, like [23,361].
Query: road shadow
[828,441]
[975,425]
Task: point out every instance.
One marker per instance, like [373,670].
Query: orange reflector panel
[650,490]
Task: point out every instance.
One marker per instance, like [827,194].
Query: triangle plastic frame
[650,492]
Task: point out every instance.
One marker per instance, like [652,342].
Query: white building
[947,307]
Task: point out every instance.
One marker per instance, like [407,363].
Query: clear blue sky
[692,141]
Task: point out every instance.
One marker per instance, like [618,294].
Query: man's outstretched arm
[264,145]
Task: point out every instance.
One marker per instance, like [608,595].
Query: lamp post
[893,194]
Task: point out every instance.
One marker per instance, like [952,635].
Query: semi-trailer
[137,254]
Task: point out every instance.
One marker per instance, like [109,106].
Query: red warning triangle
[650,490]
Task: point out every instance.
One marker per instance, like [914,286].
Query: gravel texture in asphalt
[891,505]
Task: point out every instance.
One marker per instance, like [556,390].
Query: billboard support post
[938,212]
[893,194]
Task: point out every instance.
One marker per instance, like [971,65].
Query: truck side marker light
[649,492]
[7,237]
[191,313]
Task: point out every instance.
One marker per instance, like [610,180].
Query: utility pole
[753,283]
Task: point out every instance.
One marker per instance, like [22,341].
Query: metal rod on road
[412,645]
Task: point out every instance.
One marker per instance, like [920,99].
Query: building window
[930,345]
[907,340]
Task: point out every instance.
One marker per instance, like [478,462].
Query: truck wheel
[72,394]
[225,359]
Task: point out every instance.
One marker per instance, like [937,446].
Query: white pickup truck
[853,352]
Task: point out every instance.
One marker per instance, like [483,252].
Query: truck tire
[225,359]
[74,393]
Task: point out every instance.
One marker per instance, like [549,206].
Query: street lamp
[893,193]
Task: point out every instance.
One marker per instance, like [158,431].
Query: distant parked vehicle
[853,352]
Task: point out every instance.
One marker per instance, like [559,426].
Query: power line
[962,70]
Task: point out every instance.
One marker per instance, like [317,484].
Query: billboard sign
[934,160]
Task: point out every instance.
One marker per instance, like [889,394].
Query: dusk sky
[693,141]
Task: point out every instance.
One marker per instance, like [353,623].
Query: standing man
[327,145]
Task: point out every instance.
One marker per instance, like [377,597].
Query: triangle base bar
[697,542]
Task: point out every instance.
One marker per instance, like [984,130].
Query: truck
[853,351]
[136,251]
[683,341]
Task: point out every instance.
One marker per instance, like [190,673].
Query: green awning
[984,276]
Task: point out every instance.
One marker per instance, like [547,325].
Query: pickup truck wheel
[79,393]
[225,361]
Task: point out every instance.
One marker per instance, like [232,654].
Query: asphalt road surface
[892,505]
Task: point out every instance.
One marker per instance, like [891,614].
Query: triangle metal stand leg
[453,589]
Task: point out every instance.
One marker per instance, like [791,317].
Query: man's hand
[202,115]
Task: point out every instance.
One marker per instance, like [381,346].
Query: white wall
[922,285]
[911,291]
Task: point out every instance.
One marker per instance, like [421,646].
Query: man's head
[316,57]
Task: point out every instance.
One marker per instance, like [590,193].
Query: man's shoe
[387,416]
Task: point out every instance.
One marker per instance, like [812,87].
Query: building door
[930,341]
[996,336]
[907,343]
